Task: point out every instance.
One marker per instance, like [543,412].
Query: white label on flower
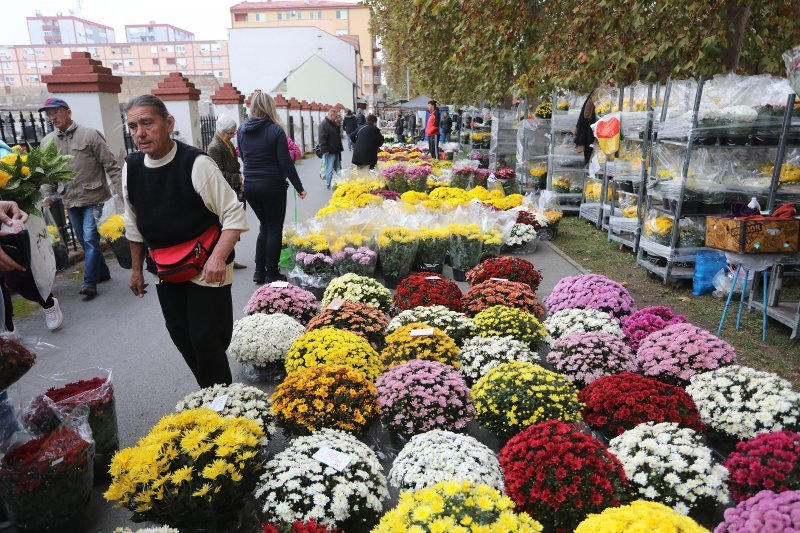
[279,284]
[335,304]
[422,332]
[336,460]
[498,279]
[218,404]
[491,178]
[57,461]
[432,277]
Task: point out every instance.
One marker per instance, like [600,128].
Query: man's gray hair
[144,100]
[225,123]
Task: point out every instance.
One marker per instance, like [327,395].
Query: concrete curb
[565,257]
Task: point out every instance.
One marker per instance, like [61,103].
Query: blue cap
[52,103]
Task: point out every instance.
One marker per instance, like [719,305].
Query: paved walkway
[126,334]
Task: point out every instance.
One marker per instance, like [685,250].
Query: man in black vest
[174,194]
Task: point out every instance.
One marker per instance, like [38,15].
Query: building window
[204,48]
[94,53]
[216,47]
[261,17]
[38,51]
[298,15]
[240,17]
[341,14]
[220,74]
[169,49]
[9,80]
[180,48]
[128,62]
[181,61]
[5,52]
[341,32]
[155,61]
[30,64]
[206,60]
[66,52]
[5,65]
[29,51]
[126,50]
[208,73]
[171,61]
[33,78]
[154,49]
[41,64]
[319,14]
[280,15]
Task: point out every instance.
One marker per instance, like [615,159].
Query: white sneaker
[53,316]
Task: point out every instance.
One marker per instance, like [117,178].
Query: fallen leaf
[685,299]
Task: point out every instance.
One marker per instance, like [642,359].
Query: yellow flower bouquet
[640,515]
[22,174]
[113,231]
[419,341]
[456,506]
[562,185]
[466,245]
[310,243]
[659,229]
[194,469]
[325,396]
[397,248]
[514,395]
[432,250]
[334,347]
[501,321]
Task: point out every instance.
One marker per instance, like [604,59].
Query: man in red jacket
[432,129]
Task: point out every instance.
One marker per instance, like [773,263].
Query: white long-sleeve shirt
[217,196]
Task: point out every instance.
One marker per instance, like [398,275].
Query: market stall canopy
[419,103]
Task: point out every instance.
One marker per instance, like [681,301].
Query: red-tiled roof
[288,4]
[352,40]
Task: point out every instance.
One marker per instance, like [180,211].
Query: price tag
[335,304]
[336,460]
[498,279]
[279,284]
[422,332]
[219,403]
[57,461]
[432,277]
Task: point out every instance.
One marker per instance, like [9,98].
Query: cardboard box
[777,236]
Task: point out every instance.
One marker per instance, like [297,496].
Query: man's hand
[10,211]
[303,195]
[214,271]
[47,203]
[7,264]
[137,284]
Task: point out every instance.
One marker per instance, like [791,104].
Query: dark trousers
[23,284]
[200,322]
[268,202]
[433,146]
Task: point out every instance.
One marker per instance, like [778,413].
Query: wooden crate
[753,236]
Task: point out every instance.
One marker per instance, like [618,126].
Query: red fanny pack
[184,261]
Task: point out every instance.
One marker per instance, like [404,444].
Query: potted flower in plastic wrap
[361,261]
[437,455]
[113,231]
[450,503]
[397,248]
[307,481]
[417,177]
[44,413]
[312,272]
[59,248]
[260,343]
[395,178]
[508,179]
[46,482]
[466,242]
[193,470]
[420,396]
[462,177]
[522,240]
[15,361]
[432,250]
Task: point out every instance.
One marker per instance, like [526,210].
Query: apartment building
[67,30]
[337,18]
[24,65]
[156,33]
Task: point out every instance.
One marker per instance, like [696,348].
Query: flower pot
[459,275]
[318,292]
[523,249]
[122,251]
[269,373]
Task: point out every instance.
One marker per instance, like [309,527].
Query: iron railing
[208,125]
[17,128]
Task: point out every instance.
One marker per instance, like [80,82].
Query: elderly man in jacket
[330,143]
[85,194]
[368,143]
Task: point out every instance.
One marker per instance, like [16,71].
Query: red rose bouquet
[560,475]
[47,481]
[309,526]
[425,289]
[508,293]
[360,318]
[97,393]
[15,361]
[770,461]
[510,268]
[617,403]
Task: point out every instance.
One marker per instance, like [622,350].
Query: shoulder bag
[184,261]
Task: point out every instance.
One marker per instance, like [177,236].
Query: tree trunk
[737,13]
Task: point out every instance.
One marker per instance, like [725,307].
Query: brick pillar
[282,104]
[294,114]
[181,98]
[229,101]
[305,109]
[93,96]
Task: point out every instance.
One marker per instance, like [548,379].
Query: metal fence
[24,128]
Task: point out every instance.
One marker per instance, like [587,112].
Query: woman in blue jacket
[267,165]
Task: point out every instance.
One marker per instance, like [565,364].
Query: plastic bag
[724,281]
[692,232]
[628,204]
[46,481]
[57,236]
[111,227]
[658,227]
[311,279]
[270,373]
[792,60]
[707,266]
[68,391]
[15,359]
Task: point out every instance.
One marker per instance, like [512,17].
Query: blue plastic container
[706,266]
